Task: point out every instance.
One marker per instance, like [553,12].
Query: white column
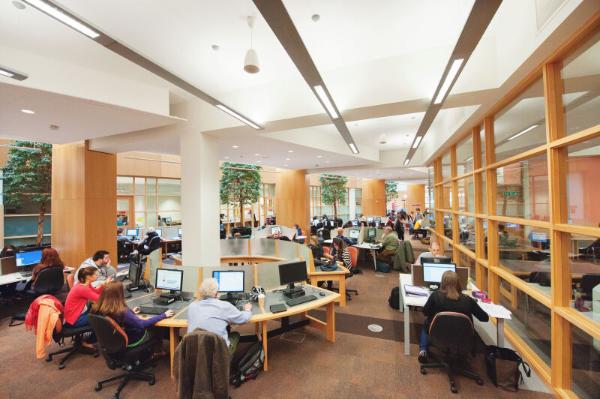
[200,199]
[352,203]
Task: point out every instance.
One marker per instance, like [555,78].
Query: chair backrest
[326,250]
[70,280]
[49,281]
[452,333]
[353,251]
[112,340]
[588,282]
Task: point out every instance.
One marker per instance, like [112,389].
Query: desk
[370,247]
[173,242]
[338,275]
[419,301]
[179,320]
[16,277]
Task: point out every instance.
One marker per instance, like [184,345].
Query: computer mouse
[322,293]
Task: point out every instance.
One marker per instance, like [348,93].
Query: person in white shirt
[435,250]
[101,261]
[212,314]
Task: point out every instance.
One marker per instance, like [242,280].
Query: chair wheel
[423,371]
[96,354]
[152,381]
[61,366]
[479,381]
[98,387]
[453,388]
[48,359]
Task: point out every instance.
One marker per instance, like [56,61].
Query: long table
[259,317]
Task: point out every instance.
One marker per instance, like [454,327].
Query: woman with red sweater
[76,305]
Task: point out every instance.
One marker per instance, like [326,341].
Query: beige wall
[373,197]
[415,197]
[292,202]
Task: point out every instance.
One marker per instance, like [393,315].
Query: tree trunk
[334,210]
[40,226]
[242,213]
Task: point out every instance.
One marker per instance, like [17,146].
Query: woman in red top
[50,258]
[76,305]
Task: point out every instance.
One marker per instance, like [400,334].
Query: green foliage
[391,190]
[333,191]
[240,184]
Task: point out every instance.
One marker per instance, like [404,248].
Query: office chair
[76,334]
[124,249]
[48,281]
[353,258]
[587,284]
[453,335]
[112,341]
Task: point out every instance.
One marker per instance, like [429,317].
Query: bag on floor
[382,267]
[394,299]
[249,366]
[504,367]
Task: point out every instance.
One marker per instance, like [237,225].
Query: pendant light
[251,64]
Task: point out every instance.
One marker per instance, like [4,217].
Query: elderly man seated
[435,250]
[389,246]
[212,314]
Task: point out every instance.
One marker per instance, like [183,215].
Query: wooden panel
[415,197]
[373,197]
[292,203]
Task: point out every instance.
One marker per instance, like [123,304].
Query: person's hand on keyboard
[248,306]
[170,313]
[136,310]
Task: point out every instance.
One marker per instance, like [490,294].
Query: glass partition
[464,156]
[237,247]
[586,364]
[262,247]
[583,163]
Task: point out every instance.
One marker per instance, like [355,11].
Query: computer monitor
[538,236]
[355,223]
[29,258]
[275,230]
[371,234]
[290,273]
[436,259]
[158,232]
[432,272]
[229,281]
[169,279]
[168,220]
[179,232]
[354,234]
[369,220]
[131,233]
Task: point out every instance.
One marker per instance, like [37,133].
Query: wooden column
[373,197]
[84,202]
[292,203]
[415,197]
[490,181]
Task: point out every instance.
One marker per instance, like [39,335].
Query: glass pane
[583,165]
[525,252]
[586,364]
[468,262]
[150,185]
[124,185]
[169,187]
[448,225]
[482,138]
[169,204]
[523,189]
[140,205]
[447,200]
[466,195]
[140,219]
[140,186]
[151,203]
[485,237]
[580,74]
[446,166]
[151,219]
[530,319]
[522,125]
[584,259]
[467,231]
[484,207]
[464,156]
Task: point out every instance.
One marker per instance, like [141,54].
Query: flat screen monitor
[432,272]
[290,273]
[538,236]
[371,233]
[29,258]
[158,232]
[168,220]
[169,279]
[437,259]
[354,234]
[355,223]
[131,233]
[369,220]
[276,230]
[179,232]
[229,280]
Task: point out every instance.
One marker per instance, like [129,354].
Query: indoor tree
[333,191]
[391,191]
[240,185]
[27,179]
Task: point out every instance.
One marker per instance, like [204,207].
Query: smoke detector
[382,139]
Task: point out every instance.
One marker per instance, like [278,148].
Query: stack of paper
[493,310]
[414,290]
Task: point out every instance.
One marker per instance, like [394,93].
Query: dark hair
[119,230]
[100,255]
[8,250]
[451,285]
[86,272]
[50,257]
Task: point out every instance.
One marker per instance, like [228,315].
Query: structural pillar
[84,202]
[415,197]
[199,199]
[373,197]
[292,202]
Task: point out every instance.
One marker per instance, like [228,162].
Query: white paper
[493,310]
[415,290]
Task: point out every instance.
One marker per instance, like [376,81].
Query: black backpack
[394,299]
[505,367]
[249,366]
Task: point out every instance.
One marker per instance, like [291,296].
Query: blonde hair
[450,285]
[209,288]
[111,301]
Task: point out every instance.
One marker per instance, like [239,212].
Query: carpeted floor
[360,364]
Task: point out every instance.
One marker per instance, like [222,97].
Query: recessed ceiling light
[259,161]
[226,157]
[235,147]
[319,156]
[456,64]
[11,73]
[238,116]
[27,111]
[327,103]
[257,155]
[288,159]
[290,151]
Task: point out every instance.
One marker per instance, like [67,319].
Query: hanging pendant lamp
[251,64]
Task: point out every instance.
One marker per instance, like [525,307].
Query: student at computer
[435,250]
[50,258]
[150,243]
[316,249]
[340,253]
[389,246]
[340,235]
[100,261]
[121,237]
[214,315]
[111,303]
[449,298]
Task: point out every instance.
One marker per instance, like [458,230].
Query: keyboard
[26,274]
[299,300]
[153,309]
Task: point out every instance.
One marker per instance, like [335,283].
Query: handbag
[505,367]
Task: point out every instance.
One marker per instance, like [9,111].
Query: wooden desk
[338,275]
[180,320]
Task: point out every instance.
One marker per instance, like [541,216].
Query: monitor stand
[172,296]
[293,292]
[231,297]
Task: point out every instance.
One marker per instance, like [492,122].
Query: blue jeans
[83,321]
[423,338]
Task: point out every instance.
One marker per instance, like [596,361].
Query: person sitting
[50,258]
[150,244]
[449,298]
[111,303]
[435,251]
[76,306]
[340,235]
[8,251]
[214,315]
[389,246]
[121,237]
[101,262]
[339,253]
[317,250]
[298,230]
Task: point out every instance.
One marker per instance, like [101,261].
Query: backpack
[504,366]
[249,366]
[394,299]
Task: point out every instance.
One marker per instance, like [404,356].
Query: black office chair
[587,284]
[453,335]
[48,281]
[112,341]
[77,335]
[124,249]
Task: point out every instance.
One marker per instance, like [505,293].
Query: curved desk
[261,318]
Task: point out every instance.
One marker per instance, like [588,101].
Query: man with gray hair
[214,315]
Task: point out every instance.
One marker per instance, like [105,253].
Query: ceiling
[381,65]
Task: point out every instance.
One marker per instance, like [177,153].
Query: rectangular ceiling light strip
[64,16]
[417,141]
[456,64]
[11,73]
[522,132]
[280,22]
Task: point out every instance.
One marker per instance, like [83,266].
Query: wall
[373,197]
[292,203]
[415,197]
